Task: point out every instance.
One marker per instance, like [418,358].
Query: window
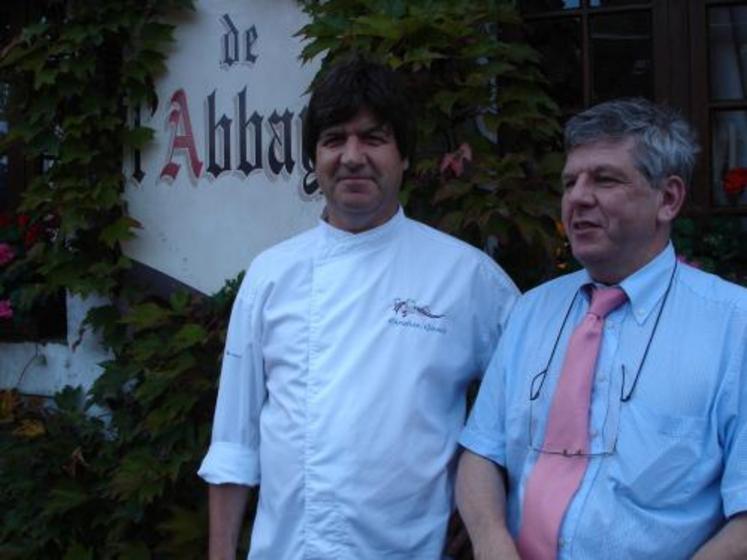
[690,54]
[727,101]
[12,15]
[46,321]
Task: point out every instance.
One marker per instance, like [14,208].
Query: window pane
[727,42]
[4,189]
[621,56]
[729,158]
[5,36]
[559,43]
[534,6]
[607,3]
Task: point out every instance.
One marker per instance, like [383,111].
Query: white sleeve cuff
[229,463]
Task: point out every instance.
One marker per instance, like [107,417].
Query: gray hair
[665,144]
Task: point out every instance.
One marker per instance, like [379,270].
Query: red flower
[23,220]
[32,235]
[735,181]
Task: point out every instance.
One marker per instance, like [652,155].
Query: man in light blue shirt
[667,454]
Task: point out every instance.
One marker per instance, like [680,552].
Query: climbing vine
[111,473]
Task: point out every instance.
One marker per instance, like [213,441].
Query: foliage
[71,72]
[122,484]
[471,84]
[75,485]
[20,238]
[110,474]
[715,244]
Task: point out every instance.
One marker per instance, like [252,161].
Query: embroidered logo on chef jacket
[408,313]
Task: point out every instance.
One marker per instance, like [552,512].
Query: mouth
[583,226]
[353,181]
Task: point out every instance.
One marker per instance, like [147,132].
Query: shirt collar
[335,235]
[646,286]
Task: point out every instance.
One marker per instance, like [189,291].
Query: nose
[581,191]
[352,152]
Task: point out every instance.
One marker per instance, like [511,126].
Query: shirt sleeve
[485,433]
[233,456]
[734,479]
[494,297]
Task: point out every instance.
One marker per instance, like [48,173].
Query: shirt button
[593,433]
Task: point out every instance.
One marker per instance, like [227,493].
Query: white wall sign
[225,176]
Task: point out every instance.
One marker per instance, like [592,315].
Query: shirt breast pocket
[659,457]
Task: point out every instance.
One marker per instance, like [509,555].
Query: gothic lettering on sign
[182,138]
[137,164]
[230,54]
[309,186]
[273,144]
[250,37]
[229,42]
[219,140]
[280,145]
[250,138]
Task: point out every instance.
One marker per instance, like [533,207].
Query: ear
[406,165]
[673,191]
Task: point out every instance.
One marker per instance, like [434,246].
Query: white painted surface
[200,230]
[203,230]
[43,369]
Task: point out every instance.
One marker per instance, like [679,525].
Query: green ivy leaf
[187,336]
[64,499]
[119,230]
[147,315]
[78,552]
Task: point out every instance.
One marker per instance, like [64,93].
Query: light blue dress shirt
[676,462]
[342,392]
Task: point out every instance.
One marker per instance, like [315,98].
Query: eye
[376,138]
[331,140]
[568,182]
[606,181]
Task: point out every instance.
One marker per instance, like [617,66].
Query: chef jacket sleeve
[233,456]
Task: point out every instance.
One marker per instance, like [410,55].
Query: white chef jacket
[343,388]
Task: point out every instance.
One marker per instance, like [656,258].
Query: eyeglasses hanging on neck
[603,437]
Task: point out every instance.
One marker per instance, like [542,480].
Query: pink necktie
[556,476]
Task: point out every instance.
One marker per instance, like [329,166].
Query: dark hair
[665,143]
[355,84]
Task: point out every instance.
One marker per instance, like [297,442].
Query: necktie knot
[606,300]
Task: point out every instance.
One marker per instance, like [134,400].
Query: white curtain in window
[728,59]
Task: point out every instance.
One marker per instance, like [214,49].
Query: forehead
[607,153]
[363,120]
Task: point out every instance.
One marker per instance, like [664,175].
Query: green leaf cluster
[111,473]
[71,74]
[470,83]
[717,244]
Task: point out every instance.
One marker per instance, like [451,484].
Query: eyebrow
[374,128]
[595,170]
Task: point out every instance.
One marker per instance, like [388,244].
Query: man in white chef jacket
[348,353]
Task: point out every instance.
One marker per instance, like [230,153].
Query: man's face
[615,220]
[359,169]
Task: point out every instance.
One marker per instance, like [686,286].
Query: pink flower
[6,254]
[454,161]
[6,310]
